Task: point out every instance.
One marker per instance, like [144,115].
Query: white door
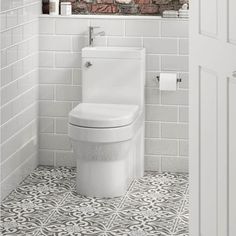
[213,118]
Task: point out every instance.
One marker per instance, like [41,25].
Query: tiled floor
[46,204]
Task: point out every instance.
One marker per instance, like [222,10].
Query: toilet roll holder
[179,80]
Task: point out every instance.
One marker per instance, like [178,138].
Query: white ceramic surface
[117,75]
[108,136]
[103,115]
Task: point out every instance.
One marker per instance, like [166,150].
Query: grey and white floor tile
[46,203]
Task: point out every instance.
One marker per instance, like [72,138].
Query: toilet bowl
[107,132]
[106,147]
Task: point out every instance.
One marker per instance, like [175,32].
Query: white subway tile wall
[166,41]
[19,89]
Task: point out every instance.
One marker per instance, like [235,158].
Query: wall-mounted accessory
[183,11]
[124,1]
[66,8]
[168,81]
[54,7]
[170,14]
[92,35]
[45,6]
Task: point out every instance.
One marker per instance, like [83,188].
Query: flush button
[88,64]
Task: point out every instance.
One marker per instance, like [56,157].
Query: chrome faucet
[92,35]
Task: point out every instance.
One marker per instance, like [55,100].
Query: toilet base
[102,178]
[107,169]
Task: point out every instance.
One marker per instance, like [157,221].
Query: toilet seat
[108,134]
[94,115]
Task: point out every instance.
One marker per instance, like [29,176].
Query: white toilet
[107,128]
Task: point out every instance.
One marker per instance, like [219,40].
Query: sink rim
[104,48]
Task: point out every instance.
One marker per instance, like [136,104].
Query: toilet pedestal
[107,169]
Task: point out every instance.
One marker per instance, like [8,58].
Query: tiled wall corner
[19,88]
[166,41]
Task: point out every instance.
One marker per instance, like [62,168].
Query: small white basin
[113,52]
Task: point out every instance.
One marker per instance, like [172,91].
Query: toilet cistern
[92,35]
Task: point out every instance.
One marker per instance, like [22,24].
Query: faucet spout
[101,33]
[92,35]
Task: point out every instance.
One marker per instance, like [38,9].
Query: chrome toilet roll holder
[179,80]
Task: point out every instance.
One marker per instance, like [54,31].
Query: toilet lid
[103,115]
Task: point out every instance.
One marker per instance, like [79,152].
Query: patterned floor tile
[88,216]
[46,203]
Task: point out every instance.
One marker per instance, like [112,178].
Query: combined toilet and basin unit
[107,128]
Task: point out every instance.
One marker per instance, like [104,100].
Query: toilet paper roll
[168,81]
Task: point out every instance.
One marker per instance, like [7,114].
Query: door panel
[212,118]
[231,21]
[208,151]
[232,157]
[208,25]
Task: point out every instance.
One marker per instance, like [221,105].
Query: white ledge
[121,17]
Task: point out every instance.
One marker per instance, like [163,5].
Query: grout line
[17,97]
[48,218]
[180,210]
[17,168]
[121,204]
[166,138]
[20,7]
[114,36]
[124,28]
[17,80]
[20,165]
[18,60]
[30,106]
[31,123]
[20,42]
[18,25]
